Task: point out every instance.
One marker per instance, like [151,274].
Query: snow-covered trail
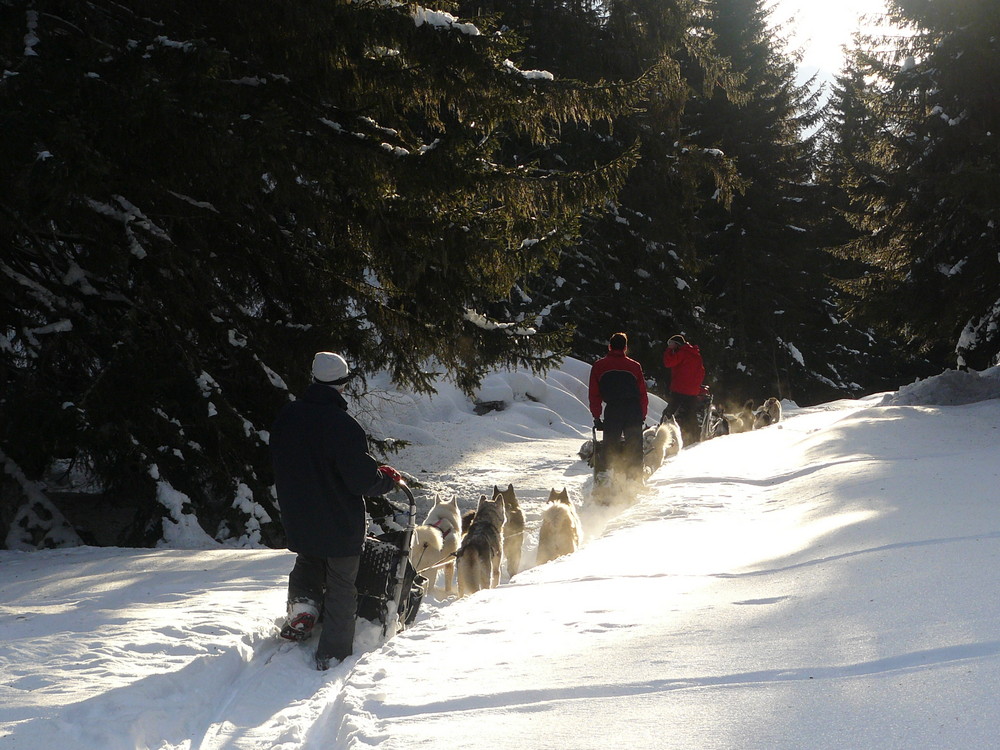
[767,594]
[614,620]
[227,682]
[824,583]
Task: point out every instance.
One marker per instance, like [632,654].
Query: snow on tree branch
[486,324]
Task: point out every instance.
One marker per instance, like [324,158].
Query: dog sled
[612,486]
[390,590]
[711,422]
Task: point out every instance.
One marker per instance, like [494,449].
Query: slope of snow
[826,582]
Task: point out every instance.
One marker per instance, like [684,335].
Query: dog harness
[444,533]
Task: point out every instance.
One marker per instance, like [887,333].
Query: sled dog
[481,552]
[444,518]
[560,533]
[586,452]
[659,443]
[425,549]
[467,518]
[768,413]
[740,420]
[513,531]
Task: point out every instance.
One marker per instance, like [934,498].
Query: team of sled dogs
[664,440]
[477,544]
[750,418]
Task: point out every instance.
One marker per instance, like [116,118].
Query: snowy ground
[827,582]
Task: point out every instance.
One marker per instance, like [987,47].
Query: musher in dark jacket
[617,380]
[321,470]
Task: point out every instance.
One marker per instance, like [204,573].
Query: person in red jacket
[617,381]
[687,373]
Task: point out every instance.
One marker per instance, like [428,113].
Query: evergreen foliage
[198,196]
[917,138]
[633,268]
[771,325]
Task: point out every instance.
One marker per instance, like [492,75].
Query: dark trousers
[328,582]
[623,438]
[684,408]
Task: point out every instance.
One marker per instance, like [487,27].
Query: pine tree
[201,195]
[772,324]
[924,191]
[632,268]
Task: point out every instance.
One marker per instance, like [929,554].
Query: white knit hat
[329,367]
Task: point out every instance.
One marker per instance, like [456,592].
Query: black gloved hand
[599,424]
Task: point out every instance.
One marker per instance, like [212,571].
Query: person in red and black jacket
[617,381]
[687,373]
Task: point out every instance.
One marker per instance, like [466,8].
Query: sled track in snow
[272,702]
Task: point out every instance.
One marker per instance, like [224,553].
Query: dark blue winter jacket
[321,470]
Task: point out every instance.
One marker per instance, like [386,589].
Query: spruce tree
[632,268]
[198,196]
[772,326]
[923,190]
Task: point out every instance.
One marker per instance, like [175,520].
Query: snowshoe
[302,616]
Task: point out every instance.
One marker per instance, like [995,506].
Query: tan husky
[561,532]
[659,443]
[740,420]
[513,532]
[481,553]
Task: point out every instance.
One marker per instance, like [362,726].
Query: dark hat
[678,338]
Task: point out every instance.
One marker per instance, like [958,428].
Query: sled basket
[386,575]
[376,579]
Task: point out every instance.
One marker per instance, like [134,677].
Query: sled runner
[600,460]
[388,586]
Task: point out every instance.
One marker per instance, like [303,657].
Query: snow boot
[302,614]
[323,663]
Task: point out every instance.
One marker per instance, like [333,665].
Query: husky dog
[768,413]
[586,452]
[467,518]
[560,533]
[659,443]
[740,420]
[425,549]
[481,553]
[444,519]
[513,532]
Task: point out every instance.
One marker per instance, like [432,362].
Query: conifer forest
[197,196]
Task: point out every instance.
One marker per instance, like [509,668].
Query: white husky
[442,530]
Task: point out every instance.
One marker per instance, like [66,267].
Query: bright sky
[821,27]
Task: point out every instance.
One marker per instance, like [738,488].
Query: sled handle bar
[404,558]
